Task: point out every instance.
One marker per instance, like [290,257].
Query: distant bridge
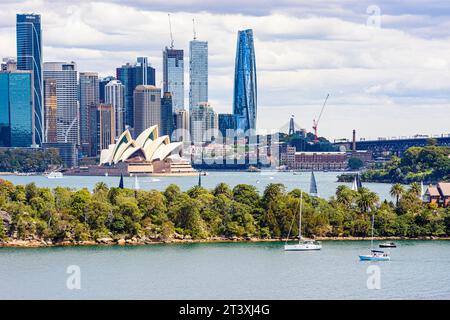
[393,145]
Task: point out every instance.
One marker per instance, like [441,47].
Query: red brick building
[439,194]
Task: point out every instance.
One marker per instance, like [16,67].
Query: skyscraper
[16,109]
[147,108]
[166,114]
[226,122]
[203,123]
[29,57]
[131,76]
[198,72]
[65,75]
[173,76]
[102,84]
[115,96]
[89,94]
[181,120]
[245,86]
[50,111]
[101,122]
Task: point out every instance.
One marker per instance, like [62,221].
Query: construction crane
[316,122]
[171,35]
[193,27]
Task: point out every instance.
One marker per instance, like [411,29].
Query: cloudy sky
[385,63]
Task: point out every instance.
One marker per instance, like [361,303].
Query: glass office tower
[131,76]
[173,76]
[245,86]
[29,57]
[89,94]
[198,73]
[16,109]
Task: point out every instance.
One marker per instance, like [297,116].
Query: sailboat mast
[300,218]
[371,241]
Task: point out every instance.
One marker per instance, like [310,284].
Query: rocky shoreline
[40,243]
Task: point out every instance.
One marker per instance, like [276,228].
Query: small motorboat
[375,255]
[387,245]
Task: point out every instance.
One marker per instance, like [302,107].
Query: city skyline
[367,81]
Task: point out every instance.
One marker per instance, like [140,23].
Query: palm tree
[101,186]
[345,195]
[415,188]
[366,199]
[397,192]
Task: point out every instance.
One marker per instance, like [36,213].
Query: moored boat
[375,255]
[387,245]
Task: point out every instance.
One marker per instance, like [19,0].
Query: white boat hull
[302,247]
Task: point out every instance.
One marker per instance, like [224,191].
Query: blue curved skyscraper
[245,87]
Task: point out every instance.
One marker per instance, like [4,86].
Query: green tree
[355,163]
[397,191]
[366,200]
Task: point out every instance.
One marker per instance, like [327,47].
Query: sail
[313,185]
[136,183]
[121,181]
[358,181]
[355,184]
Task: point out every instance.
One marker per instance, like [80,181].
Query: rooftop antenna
[193,27]
[171,35]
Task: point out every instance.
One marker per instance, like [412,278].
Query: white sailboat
[375,255]
[303,244]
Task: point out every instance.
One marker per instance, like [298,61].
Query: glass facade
[16,109]
[29,57]
[65,75]
[166,114]
[50,108]
[115,96]
[226,122]
[245,86]
[198,72]
[131,76]
[173,76]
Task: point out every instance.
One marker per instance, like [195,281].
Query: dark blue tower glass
[245,86]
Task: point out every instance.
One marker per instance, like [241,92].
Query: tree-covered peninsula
[41,216]
[429,164]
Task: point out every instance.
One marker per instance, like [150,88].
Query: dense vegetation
[61,214]
[28,160]
[428,164]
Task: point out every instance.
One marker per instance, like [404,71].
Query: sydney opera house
[146,155]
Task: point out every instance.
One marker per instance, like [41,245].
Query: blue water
[326,181]
[418,270]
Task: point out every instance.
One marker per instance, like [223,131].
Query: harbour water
[326,181]
[418,270]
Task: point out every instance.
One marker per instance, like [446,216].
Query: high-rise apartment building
[50,111]
[147,108]
[16,109]
[115,96]
[89,95]
[203,123]
[198,72]
[173,76]
[167,120]
[245,86]
[65,75]
[131,76]
[29,57]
